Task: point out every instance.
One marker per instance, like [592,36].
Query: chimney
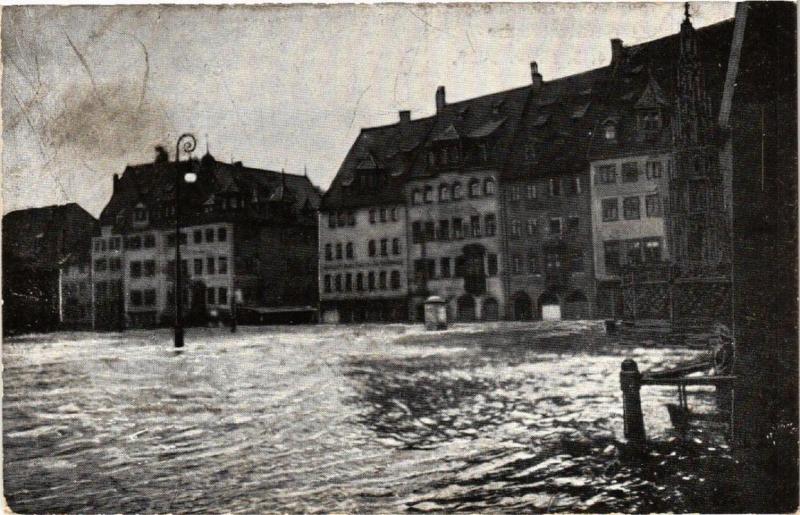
[162,156]
[536,77]
[617,50]
[116,183]
[405,117]
[440,99]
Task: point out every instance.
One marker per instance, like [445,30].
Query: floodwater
[498,417]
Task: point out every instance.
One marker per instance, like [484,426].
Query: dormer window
[140,214]
[650,120]
[444,156]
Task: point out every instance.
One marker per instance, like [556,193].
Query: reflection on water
[363,418]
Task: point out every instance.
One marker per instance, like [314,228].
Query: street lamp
[187,143]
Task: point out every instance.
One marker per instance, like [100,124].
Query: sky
[89,90]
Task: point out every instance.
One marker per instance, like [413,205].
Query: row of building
[606,194]
[602,194]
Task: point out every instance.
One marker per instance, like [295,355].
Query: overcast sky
[87,90]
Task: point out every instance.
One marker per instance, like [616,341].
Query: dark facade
[46,266]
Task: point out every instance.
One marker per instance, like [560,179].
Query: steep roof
[48,236]
[380,154]
[153,185]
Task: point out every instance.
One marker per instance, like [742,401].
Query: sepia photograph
[400,258]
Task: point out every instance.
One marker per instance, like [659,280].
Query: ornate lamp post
[187,143]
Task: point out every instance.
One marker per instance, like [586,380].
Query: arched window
[416,196]
[474,188]
[444,193]
[489,186]
[457,191]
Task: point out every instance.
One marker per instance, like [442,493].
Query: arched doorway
[466,308]
[523,306]
[550,307]
[490,310]
[576,306]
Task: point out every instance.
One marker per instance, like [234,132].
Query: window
[222,265]
[533,262]
[359,281]
[697,196]
[222,296]
[459,272]
[351,218]
[372,216]
[576,264]
[211,293]
[530,191]
[516,264]
[574,185]
[610,132]
[338,251]
[371,249]
[210,268]
[652,250]
[458,229]
[349,250]
[149,241]
[328,252]
[97,246]
[332,221]
[555,187]
[136,269]
[209,235]
[610,208]
[444,267]
[136,298]
[149,268]
[633,252]
[116,243]
[457,191]
[515,230]
[492,265]
[327,284]
[198,236]
[140,214]
[348,282]
[491,224]
[416,232]
[382,280]
[654,170]
[444,230]
[630,207]
[150,297]
[371,280]
[341,218]
[552,262]
[430,231]
[382,214]
[573,225]
[555,227]
[427,195]
[650,121]
[198,266]
[475,226]
[384,247]
[115,264]
[416,196]
[395,279]
[489,186]
[653,205]
[337,282]
[444,193]
[100,265]
[515,193]
[630,171]
[135,242]
[222,234]
[532,227]
[396,246]
[394,214]
[607,174]
[474,188]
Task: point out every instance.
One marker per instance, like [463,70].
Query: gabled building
[47,268]
[363,268]
[248,235]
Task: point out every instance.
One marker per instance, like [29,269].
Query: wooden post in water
[630,380]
